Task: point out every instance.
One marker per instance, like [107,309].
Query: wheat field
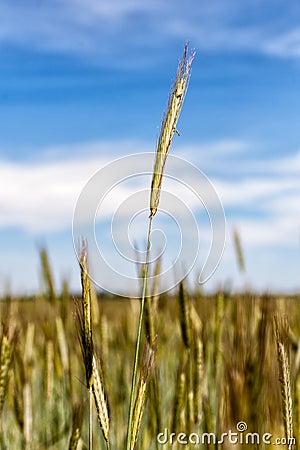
[216,363]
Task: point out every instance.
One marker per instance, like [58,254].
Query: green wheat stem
[90,419]
[138,339]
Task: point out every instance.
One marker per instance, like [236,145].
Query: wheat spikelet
[178,408]
[281,332]
[94,381]
[104,339]
[64,301]
[151,303]
[185,316]
[168,127]
[298,407]
[47,275]
[85,317]
[239,251]
[100,400]
[148,313]
[195,320]
[18,381]
[94,305]
[155,404]
[28,419]
[84,329]
[149,321]
[62,344]
[76,427]
[138,412]
[155,287]
[6,351]
[147,364]
[29,344]
[198,379]
[49,369]
[190,403]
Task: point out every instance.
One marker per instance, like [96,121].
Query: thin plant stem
[138,339]
[90,419]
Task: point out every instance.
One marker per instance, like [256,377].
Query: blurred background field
[216,365]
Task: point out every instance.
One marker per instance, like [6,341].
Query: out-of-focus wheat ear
[298,408]
[47,276]
[64,301]
[198,369]
[28,417]
[198,378]
[100,399]
[62,344]
[190,398]
[86,323]
[196,322]
[139,404]
[155,404]
[29,345]
[155,394]
[281,333]
[95,311]
[151,305]
[220,308]
[84,330]
[92,369]
[149,322]
[104,339]
[185,316]
[180,394]
[76,426]
[239,251]
[18,381]
[49,370]
[8,338]
[148,313]
[168,127]
[150,310]
[155,287]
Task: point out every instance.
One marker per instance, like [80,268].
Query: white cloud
[40,197]
[285,45]
[289,165]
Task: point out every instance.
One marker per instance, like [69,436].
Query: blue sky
[85,82]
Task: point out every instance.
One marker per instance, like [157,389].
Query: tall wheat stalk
[168,129]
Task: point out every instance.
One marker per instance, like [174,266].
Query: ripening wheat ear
[76,426]
[239,251]
[146,367]
[169,125]
[7,343]
[93,373]
[185,316]
[168,129]
[281,333]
